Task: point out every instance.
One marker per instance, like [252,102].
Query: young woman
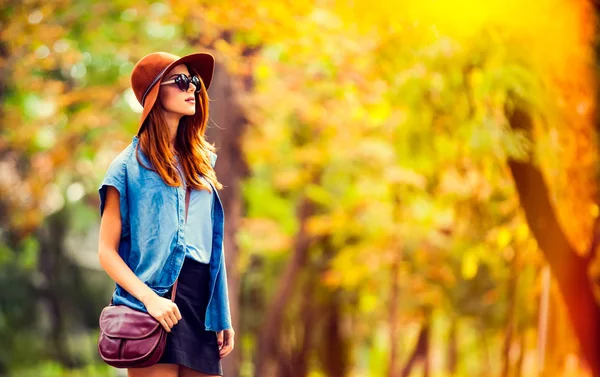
[150,239]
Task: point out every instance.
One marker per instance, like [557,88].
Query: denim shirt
[199,220]
[153,242]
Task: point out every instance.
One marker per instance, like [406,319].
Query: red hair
[190,145]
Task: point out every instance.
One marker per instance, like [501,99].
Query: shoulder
[213,158]
[124,156]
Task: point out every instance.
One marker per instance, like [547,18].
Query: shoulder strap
[187,204]
[188,192]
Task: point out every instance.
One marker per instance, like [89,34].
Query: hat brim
[203,63]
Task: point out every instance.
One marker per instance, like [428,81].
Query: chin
[188,111]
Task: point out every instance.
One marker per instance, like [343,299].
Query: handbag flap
[121,321]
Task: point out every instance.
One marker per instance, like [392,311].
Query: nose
[191,87]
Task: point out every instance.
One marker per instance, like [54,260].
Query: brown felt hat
[150,70]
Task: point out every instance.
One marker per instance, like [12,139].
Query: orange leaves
[265,236]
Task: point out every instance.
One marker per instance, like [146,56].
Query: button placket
[181,214]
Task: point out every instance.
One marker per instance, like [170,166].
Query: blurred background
[411,186]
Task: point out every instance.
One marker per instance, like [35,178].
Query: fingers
[227,339]
[227,348]
[168,321]
[165,325]
[170,317]
[173,315]
[177,313]
[173,319]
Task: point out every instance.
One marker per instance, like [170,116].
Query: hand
[225,341]
[163,310]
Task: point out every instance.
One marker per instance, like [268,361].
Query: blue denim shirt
[153,242]
[199,220]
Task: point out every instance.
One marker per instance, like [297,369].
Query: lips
[190,100]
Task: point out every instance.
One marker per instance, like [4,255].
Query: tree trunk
[487,365]
[335,350]
[231,169]
[309,315]
[295,363]
[268,338]
[569,269]
[394,330]
[544,311]
[421,350]
[51,266]
[511,315]
[452,348]
[519,364]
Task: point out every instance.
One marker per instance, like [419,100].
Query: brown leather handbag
[131,338]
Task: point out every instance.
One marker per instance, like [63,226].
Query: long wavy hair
[190,146]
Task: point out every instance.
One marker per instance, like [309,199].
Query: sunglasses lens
[182,82]
[196,82]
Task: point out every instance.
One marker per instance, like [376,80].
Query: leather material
[130,338]
[118,321]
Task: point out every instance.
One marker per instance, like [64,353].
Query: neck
[172,120]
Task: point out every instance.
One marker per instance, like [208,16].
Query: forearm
[120,272]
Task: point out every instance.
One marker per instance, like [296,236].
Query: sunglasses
[183,82]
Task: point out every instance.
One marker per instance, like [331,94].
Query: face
[175,100]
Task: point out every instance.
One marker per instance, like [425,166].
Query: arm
[164,310]
[225,338]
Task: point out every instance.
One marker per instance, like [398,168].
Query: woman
[149,238]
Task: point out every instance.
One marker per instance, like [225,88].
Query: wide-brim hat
[149,71]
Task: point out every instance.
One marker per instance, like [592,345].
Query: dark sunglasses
[183,82]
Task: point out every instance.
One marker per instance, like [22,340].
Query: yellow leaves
[320,225]
[311,155]
[469,265]
[395,174]
[260,23]
[469,184]
[356,264]
[319,194]
[522,233]
[333,278]
[378,152]
[264,236]
[288,179]
[341,218]
[369,303]
[594,210]
[263,71]
[504,238]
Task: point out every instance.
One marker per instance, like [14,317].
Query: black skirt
[188,343]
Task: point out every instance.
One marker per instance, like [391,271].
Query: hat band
[152,84]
